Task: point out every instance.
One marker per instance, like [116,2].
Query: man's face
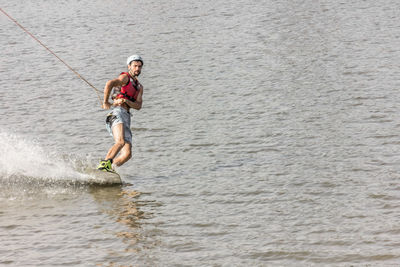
[135,67]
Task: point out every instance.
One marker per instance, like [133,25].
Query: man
[127,94]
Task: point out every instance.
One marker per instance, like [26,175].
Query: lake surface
[269,134]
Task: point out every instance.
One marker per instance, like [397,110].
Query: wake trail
[20,157]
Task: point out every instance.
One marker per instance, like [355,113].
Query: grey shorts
[120,115]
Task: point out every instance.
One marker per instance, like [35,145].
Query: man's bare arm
[120,81]
[139,100]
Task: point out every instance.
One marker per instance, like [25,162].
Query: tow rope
[48,49]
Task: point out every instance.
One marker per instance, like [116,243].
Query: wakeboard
[100,177]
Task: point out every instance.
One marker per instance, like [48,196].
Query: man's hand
[106,105]
[119,101]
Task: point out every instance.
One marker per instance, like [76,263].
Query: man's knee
[127,151]
[120,143]
[129,154]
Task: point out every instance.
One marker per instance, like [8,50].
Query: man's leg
[118,134]
[125,154]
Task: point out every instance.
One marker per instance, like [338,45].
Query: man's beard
[135,73]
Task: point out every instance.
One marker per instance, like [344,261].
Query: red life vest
[129,91]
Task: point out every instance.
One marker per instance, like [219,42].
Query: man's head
[135,64]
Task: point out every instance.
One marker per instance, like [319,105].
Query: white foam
[21,157]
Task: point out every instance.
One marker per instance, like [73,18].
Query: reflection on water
[106,231]
[122,205]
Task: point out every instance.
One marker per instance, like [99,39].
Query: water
[269,134]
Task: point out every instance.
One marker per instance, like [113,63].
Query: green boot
[105,165]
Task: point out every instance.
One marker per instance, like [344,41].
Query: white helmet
[134,58]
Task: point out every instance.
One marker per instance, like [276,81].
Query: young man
[127,94]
